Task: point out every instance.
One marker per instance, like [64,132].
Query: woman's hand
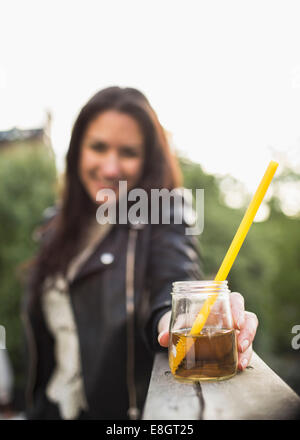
[244,322]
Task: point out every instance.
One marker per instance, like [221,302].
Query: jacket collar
[108,251]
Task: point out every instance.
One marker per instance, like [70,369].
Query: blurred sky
[223,76]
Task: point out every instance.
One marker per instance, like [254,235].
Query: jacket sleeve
[174,256]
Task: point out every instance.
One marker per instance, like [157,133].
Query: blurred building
[33,136]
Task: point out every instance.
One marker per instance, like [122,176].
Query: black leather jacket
[117,303]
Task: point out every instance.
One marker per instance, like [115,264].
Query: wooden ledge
[257,393]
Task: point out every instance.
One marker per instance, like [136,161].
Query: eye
[128,151]
[99,146]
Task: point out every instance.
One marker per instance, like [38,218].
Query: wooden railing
[256,393]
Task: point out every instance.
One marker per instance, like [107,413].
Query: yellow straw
[181,348]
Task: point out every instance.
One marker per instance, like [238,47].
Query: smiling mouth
[101,184]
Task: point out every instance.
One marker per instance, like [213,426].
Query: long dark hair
[161,170]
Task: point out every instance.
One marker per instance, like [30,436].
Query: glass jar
[197,351]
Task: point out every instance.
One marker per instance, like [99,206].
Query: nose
[111,166]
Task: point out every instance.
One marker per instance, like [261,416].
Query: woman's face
[112,150]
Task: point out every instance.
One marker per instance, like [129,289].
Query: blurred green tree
[28,179]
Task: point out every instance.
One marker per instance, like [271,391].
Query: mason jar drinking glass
[208,354]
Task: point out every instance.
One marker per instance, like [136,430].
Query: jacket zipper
[33,358]
[133,410]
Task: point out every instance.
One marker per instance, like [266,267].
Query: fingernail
[244,363]
[244,345]
[160,336]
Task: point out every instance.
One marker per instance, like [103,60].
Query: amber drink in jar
[210,354]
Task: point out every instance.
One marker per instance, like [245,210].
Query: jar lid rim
[208,287]
[200,282]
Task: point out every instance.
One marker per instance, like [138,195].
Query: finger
[247,333]
[237,309]
[164,322]
[244,358]
[163,338]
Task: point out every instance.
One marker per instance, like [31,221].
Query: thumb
[163,338]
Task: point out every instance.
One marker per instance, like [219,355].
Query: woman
[98,303]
